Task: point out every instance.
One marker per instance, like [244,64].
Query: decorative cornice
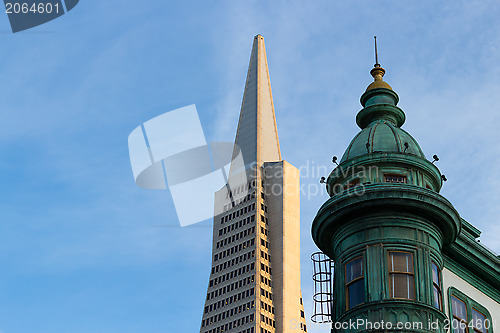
[475,258]
[387,198]
[470,230]
[388,304]
[471,278]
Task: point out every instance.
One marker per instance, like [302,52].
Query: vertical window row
[235,237]
[233,286]
[234,324]
[227,314]
[232,274]
[234,249]
[235,214]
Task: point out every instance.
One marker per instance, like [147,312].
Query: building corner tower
[254,284]
[405,261]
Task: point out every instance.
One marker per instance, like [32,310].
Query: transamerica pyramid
[257,134]
[254,283]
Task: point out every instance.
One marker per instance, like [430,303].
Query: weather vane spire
[378,73]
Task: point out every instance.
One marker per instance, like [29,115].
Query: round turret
[385,223]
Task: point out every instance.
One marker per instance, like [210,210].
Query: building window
[436,286]
[355,283]
[395,179]
[459,312]
[401,275]
[479,321]
[468,316]
[352,184]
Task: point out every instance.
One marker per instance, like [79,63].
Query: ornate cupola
[385,223]
[383,142]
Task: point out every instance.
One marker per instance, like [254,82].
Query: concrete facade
[254,284]
[453,280]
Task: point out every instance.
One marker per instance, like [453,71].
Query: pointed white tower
[257,133]
[254,284]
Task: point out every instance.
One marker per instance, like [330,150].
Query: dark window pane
[356,293]
[352,184]
[354,269]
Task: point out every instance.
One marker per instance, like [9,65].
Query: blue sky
[79,249]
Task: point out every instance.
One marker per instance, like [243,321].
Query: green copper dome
[381,121]
[382,136]
[382,152]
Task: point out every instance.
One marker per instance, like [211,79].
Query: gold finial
[377,72]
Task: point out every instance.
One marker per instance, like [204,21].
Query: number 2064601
[35,8]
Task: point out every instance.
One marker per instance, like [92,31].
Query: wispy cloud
[69,204]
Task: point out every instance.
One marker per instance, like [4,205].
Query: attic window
[352,184]
[395,179]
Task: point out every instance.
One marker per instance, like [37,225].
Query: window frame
[352,183]
[413,274]
[362,277]
[384,175]
[485,318]
[453,317]
[469,304]
[439,285]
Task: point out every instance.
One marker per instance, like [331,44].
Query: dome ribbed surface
[381,137]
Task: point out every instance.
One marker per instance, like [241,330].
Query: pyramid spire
[261,204]
[257,134]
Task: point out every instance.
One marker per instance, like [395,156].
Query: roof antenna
[376,53]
